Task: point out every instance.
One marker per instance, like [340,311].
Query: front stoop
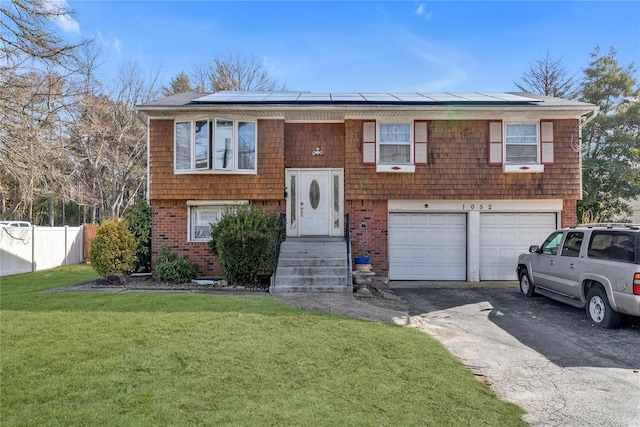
[312,264]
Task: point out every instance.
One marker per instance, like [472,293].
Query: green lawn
[81,358]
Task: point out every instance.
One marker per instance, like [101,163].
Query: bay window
[215,145]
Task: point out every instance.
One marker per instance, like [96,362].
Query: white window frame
[510,166]
[215,208]
[395,167]
[210,165]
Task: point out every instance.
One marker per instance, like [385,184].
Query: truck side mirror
[534,249]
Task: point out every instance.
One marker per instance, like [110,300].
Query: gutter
[584,120]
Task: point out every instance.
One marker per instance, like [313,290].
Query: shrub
[138,220]
[113,250]
[243,239]
[173,268]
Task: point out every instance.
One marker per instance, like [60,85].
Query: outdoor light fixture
[317,152]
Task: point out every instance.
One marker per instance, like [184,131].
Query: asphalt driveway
[535,352]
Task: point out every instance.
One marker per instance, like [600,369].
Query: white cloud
[421,11]
[109,43]
[64,21]
[117,45]
[442,65]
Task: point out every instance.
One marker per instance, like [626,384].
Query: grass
[81,358]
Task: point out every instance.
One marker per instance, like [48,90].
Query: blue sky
[362,46]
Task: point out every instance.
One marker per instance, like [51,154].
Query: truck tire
[526,286]
[599,311]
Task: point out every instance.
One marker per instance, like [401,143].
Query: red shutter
[420,142]
[495,142]
[369,142]
[546,142]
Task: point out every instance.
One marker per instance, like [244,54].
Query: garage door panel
[427,247]
[505,236]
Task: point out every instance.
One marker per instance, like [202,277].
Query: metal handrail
[280,237]
[347,237]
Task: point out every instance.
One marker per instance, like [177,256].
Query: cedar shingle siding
[306,138]
[458,169]
[165,185]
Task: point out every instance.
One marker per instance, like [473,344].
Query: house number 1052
[473,206]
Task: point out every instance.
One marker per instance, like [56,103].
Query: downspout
[584,120]
[148,159]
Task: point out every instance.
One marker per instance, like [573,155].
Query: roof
[230,97]
[298,105]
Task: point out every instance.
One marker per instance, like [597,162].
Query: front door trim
[295,194]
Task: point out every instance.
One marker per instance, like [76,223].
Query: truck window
[572,244]
[614,246]
[550,246]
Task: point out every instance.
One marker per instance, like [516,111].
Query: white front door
[314,203]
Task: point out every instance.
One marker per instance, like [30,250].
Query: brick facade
[372,237]
[169,230]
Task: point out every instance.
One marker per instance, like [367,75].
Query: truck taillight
[636,284]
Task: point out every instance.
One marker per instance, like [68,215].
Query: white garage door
[427,246]
[505,236]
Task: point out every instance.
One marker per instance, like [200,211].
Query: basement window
[204,213]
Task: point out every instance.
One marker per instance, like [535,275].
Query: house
[437,186]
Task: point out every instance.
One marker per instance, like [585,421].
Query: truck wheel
[526,287]
[599,311]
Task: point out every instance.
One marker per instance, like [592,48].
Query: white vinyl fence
[26,249]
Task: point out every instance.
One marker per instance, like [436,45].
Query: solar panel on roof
[282,97]
[379,97]
[346,97]
[294,97]
[510,97]
[444,97]
[476,96]
[315,97]
[214,97]
[410,97]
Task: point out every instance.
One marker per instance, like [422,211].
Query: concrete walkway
[345,304]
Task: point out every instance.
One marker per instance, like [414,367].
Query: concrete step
[312,262]
[306,270]
[281,289]
[296,280]
[312,265]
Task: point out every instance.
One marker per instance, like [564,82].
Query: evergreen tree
[611,142]
[178,84]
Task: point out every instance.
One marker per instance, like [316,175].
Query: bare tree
[36,66]
[28,34]
[230,72]
[110,142]
[548,76]
[33,142]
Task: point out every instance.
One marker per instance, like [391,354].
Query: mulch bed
[146,282]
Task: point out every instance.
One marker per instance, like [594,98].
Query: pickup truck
[592,267]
